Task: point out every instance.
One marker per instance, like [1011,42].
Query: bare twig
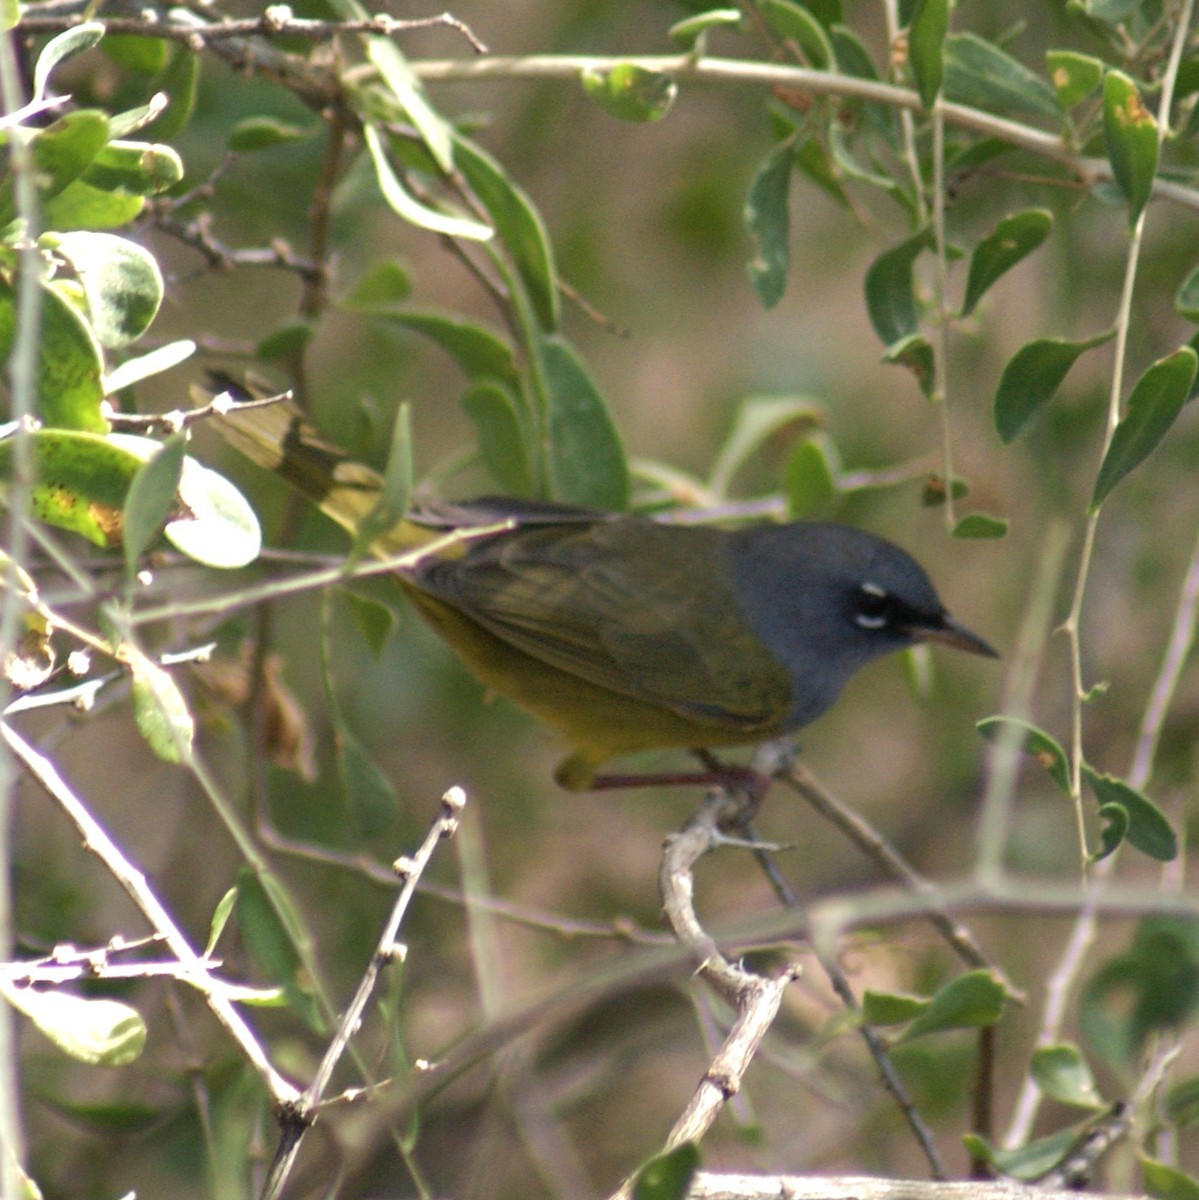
[96,839]
[298,1115]
[755,999]
[887,858]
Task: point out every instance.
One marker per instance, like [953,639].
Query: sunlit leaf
[891,1008]
[161,711]
[121,283]
[100,1032]
[1164,1182]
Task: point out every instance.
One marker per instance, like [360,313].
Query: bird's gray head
[827,599]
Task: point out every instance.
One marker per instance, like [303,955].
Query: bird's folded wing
[627,606]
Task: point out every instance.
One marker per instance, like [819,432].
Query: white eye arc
[872,610]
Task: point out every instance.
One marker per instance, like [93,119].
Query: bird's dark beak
[947,632]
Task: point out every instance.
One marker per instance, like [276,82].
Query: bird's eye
[872,606]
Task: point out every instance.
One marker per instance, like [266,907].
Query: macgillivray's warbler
[622,632]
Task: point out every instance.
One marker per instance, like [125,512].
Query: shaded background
[647,225]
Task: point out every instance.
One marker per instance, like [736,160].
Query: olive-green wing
[637,608]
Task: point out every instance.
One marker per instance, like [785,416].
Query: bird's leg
[746,783]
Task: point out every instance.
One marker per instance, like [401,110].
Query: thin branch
[96,839]
[299,1115]
[774,75]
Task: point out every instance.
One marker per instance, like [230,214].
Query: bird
[627,633]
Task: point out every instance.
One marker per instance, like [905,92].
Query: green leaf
[916,354]
[10,14]
[812,157]
[1074,76]
[80,482]
[477,350]
[263,133]
[81,206]
[1164,1182]
[369,794]
[493,412]
[61,47]
[890,298]
[980,525]
[1148,829]
[218,526]
[630,92]
[178,81]
[435,130]
[145,55]
[375,619]
[1156,401]
[1114,830]
[768,219]
[220,918]
[160,710]
[1032,376]
[144,366]
[136,168]
[383,284]
[690,30]
[978,73]
[810,477]
[69,367]
[1186,299]
[406,206]
[1130,133]
[586,460]
[272,929]
[668,1176]
[891,1008]
[1014,238]
[1153,986]
[926,47]
[1028,1162]
[100,1032]
[518,224]
[61,153]
[1182,1103]
[391,502]
[1063,1075]
[792,22]
[121,283]
[1033,741]
[970,1000]
[152,498]
[760,419]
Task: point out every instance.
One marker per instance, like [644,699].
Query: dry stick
[709,1186]
[754,998]
[300,1113]
[134,882]
[878,850]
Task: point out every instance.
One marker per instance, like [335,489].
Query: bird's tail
[276,436]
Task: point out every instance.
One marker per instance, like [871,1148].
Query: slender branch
[774,75]
[96,839]
[300,1114]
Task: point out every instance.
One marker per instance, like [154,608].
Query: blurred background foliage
[647,223]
